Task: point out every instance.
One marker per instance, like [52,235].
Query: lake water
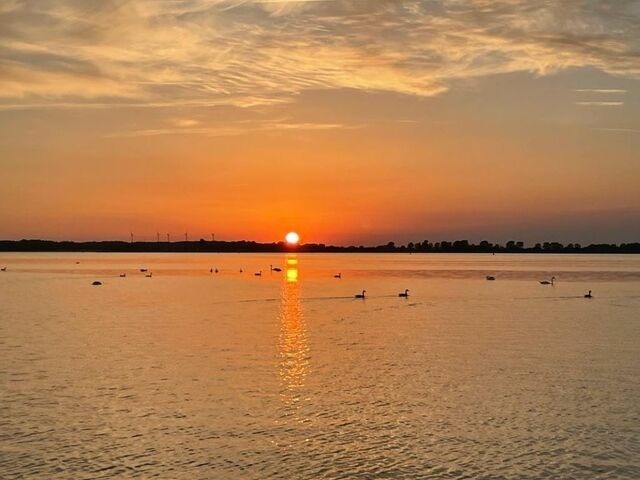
[198,375]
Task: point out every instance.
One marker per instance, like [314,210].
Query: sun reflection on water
[293,343]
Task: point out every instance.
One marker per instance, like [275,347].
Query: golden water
[197,375]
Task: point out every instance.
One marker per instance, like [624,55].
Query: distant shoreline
[243,246]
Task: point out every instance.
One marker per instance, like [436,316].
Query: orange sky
[350,122]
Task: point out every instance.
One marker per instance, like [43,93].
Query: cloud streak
[228,129]
[601,90]
[600,104]
[110,53]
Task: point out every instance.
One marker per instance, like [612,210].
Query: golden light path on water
[293,341]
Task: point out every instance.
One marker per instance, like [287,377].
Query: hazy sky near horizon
[349,121]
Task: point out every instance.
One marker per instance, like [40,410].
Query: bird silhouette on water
[361,295]
[405,294]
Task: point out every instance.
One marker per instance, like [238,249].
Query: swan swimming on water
[548,282]
[122,275]
[588,295]
[490,277]
[275,269]
[405,294]
[361,295]
[338,275]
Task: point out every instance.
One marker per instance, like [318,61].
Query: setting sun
[292,238]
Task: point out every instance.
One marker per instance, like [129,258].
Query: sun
[292,238]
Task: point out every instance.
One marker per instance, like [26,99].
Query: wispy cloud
[184,122]
[114,53]
[600,104]
[601,90]
[227,129]
[620,130]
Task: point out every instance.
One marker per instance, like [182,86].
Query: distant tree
[461,245]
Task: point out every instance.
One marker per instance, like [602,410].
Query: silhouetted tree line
[458,246]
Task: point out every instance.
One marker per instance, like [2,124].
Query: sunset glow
[398,121]
[292,238]
[337,239]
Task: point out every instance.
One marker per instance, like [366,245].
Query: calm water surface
[198,375]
